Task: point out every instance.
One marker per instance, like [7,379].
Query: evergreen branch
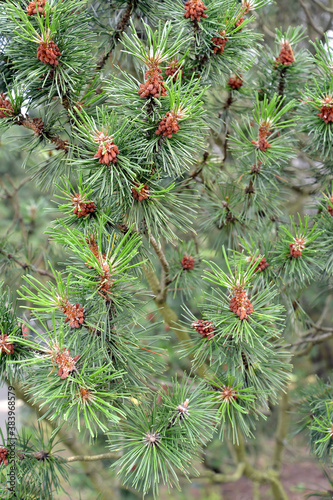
[93,471]
[169,316]
[217,477]
[323,7]
[92,458]
[165,278]
[25,265]
[282,431]
[310,20]
[38,127]
[121,26]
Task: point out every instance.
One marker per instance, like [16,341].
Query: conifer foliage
[122,102]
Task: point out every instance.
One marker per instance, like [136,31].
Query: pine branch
[121,26]
[310,20]
[323,7]
[92,458]
[69,439]
[38,127]
[282,431]
[165,278]
[25,265]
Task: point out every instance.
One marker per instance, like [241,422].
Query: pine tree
[164,135]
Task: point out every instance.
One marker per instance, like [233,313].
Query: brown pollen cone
[297,247]
[3,456]
[173,69]
[219,42]
[168,125]
[6,108]
[31,9]
[107,150]
[82,208]
[194,10]
[74,314]
[240,304]
[261,266]
[235,82]
[154,84]
[5,345]
[286,56]
[140,194]
[326,111]
[204,328]
[264,132]
[66,363]
[48,52]
[187,263]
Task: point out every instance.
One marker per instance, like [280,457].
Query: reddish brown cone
[154,85]
[188,263]
[194,9]
[107,150]
[235,82]
[66,363]
[82,208]
[286,56]
[74,314]
[326,111]
[5,345]
[48,52]
[219,42]
[173,69]
[168,125]
[31,9]
[140,194]
[297,247]
[6,108]
[204,328]
[240,304]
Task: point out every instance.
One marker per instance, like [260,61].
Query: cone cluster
[74,314]
[286,56]
[168,125]
[104,278]
[140,194]
[219,42]
[31,9]
[173,69]
[3,456]
[261,266]
[187,263]
[264,132]
[82,208]
[194,9]
[204,328]
[66,363]
[107,150]
[5,345]
[235,82]
[240,303]
[297,247]
[326,111]
[6,109]
[154,84]
[48,52]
